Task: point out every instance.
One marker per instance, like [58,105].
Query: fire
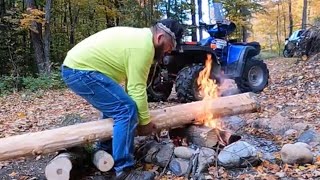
[208,90]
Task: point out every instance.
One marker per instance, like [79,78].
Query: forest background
[35,35]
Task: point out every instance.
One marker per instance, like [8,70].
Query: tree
[2,8]
[35,20]
[47,34]
[240,12]
[304,14]
[290,17]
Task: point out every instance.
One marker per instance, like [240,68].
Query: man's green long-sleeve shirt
[121,53]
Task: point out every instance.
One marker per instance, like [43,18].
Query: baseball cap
[172,27]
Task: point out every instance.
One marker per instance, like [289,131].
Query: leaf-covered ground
[293,90]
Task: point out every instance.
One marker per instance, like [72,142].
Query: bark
[278,30]
[290,18]
[167,118]
[304,14]
[203,136]
[47,35]
[200,16]
[284,21]
[244,34]
[168,9]
[2,8]
[72,26]
[193,18]
[37,41]
[151,11]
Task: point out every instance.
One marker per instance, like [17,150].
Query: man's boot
[132,174]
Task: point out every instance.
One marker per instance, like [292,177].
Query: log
[66,163]
[103,161]
[52,140]
[202,136]
[60,167]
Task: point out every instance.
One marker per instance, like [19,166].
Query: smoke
[227,87]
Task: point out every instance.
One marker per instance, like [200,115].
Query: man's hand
[147,129]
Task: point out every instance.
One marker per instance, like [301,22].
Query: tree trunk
[200,17]
[193,18]
[167,118]
[37,41]
[168,8]
[46,38]
[290,18]
[304,14]
[284,21]
[278,29]
[151,11]
[2,8]
[71,38]
[244,34]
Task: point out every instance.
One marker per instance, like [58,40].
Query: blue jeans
[113,102]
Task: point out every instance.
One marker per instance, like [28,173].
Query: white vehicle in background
[291,44]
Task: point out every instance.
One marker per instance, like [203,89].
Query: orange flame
[208,90]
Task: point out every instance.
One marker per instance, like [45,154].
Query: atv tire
[255,77]
[186,83]
[157,95]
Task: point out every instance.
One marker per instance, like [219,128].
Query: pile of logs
[309,44]
[64,138]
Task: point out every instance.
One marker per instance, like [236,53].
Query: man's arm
[137,70]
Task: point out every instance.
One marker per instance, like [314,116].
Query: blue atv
[230,59]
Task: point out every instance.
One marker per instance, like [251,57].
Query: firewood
[103,160]
[59,167]
[202,136]
[66,163]
[167,118]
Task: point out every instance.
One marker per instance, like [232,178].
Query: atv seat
[254,44]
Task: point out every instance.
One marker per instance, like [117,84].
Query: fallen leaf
[12,174]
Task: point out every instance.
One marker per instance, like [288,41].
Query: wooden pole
[171,117]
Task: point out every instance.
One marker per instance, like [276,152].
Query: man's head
[166,34]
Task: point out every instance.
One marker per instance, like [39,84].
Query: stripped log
[171,117]
[103,161]
[66,163]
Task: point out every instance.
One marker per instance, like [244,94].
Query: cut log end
[103,161]
[59,168]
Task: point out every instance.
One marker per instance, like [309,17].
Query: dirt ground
[293,89]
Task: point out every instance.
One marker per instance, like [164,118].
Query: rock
[164,155]
[303,144]
[281,174]
[205,158]
[279,124]
[234,123]
[238,154]
[276,125]
[296,154]
[309,136]
[179,166]
[290,133]
[300,126]
[157,153]
[262,123]
[183,152]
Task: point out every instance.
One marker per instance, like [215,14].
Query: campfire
[209,90]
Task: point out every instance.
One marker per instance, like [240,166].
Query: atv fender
[238,55]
